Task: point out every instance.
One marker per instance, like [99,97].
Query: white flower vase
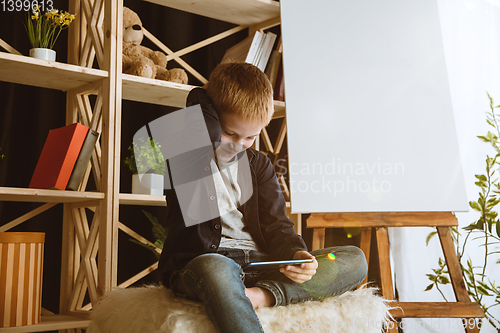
[43,54]
[148,183]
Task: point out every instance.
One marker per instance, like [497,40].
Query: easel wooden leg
[364,245]
[318,241]
[453,264]
[385,270]
[385,263]
[454,269]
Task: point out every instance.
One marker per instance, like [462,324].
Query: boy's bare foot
[260,297]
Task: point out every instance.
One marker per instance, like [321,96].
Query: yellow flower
[59,20]
[51,14]
[36,11]
[65,19]
[46,32]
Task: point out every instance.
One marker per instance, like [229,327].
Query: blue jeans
[218,280]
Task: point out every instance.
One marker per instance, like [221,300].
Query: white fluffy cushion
[155,309]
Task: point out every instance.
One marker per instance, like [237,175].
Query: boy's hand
[301,273]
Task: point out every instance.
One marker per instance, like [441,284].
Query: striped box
[21,265]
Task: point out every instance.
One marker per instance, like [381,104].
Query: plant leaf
[484,285]
[482,291]
[481,177]
[431,277]
[149,247]
[429,236]
[471,226]
[474,205]
[443,280]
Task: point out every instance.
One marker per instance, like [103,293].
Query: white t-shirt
[228,190]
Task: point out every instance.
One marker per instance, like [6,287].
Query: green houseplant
[486,230]
[147,165]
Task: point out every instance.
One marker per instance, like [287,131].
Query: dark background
[28,113]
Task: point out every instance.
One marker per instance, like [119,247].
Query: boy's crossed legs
[230,296]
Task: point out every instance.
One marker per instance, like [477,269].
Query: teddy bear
[140,60]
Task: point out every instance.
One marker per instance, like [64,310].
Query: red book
[58,157]
[279,87]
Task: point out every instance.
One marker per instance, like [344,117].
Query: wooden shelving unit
[46,74]
[84,273]
[141,199]
[139,89]
[51,323]
[54,75]
[240,12]
[56,196]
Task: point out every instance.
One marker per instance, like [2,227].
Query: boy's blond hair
[241,89]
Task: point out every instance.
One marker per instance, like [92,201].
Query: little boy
[203,261]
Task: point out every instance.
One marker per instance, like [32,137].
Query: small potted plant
[44,29]
[147,165]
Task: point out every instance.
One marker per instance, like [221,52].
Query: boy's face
[237,135]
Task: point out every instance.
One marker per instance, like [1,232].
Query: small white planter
[44,54]
[149,183]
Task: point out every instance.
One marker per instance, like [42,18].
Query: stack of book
[64,158]
[260,51]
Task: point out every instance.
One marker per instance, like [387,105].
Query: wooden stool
[462,308]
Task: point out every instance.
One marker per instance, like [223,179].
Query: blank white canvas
[369,114]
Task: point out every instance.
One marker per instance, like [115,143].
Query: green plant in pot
[147,165]
[44,28]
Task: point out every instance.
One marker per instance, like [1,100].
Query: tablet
[271,265]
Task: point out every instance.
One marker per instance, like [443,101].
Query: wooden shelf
[37,195]
[140,89]
[142,199]
[241,12]
[279,110]
[46,74]
[51,323]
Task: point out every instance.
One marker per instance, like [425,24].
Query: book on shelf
[238,52]
[58,157]
[257,42]
[269,65]
[265,52]
[279,86]
[274,63]
[83,160]
[256,49]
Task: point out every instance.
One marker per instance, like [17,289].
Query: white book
[259,50]
[266,50]
[257,41]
